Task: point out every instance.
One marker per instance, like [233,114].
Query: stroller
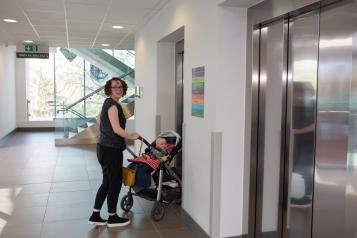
[167,179]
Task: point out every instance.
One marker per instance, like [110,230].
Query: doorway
[304,125]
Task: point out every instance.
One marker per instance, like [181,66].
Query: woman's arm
[114,121]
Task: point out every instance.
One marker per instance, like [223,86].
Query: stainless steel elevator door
[301,107]
[305,134]
[271,129]
[335,196]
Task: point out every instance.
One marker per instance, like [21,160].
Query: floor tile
[50,191]
[26,231]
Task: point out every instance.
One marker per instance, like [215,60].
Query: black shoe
[95,219]
[115,220]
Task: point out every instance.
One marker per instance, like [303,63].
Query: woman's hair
[108,85]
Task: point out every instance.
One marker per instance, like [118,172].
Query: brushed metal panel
[303,58]
[335,173]
[271,130]
[254,133]
[270,10]
[351,187]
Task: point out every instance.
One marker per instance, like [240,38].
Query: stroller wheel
[127,203]
[157,211]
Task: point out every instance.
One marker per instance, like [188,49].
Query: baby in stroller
[155,180]
[148,162]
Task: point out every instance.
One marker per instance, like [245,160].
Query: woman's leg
[102,154]
[102,192]
[115,179]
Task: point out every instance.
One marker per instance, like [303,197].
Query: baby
[149,162]
[161,149]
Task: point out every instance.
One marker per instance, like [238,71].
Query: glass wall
[64,79]
[69,80]
[41,97]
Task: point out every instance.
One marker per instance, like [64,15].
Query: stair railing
[81,120]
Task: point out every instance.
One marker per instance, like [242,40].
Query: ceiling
[76,23]
[240,3]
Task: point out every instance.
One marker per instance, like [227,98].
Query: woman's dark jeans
[111,161]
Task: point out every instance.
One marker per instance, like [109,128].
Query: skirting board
[196,229]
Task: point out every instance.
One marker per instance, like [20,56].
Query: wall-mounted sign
[198,91]
[31,48]
[39,51]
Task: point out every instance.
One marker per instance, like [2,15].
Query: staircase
[106,62]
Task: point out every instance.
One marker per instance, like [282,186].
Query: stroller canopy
[171,137]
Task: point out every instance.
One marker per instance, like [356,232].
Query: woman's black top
[107,137]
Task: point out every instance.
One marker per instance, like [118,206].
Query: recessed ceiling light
[28,41]
[9,20]
[117,27]
[105,44]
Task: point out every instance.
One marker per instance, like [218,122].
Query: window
[41,89]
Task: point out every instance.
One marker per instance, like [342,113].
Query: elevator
[304,124]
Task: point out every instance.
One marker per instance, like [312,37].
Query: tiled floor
[48,192]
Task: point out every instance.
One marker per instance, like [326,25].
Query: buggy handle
[145,141]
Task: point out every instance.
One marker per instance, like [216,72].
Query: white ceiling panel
[52,34]
[86,12]
[16,31]
[86,22]
[51,28]
[23,36]
[98,2]
[104,34]
[83,27]
[81,39]
[127,16]
[88,35]
[43,18]
[54,37]
[133,4]
[12,13]
[19,26]
[41,5]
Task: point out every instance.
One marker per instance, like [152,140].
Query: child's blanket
[153,163]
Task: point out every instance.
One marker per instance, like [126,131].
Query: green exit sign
[31,48]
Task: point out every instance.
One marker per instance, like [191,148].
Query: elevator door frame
[179,104]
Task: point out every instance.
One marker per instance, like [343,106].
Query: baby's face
[161,143]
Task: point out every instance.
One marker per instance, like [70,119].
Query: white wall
[230,108]
[215,38]
[7,90]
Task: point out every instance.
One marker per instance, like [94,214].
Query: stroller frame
[158,210]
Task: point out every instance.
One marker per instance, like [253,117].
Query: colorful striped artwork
[198,91]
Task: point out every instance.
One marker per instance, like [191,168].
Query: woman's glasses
[117,87]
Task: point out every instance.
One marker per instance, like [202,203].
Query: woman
[110,153]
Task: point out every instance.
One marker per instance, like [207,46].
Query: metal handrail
[94,92]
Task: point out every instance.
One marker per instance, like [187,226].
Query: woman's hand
[134,136]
